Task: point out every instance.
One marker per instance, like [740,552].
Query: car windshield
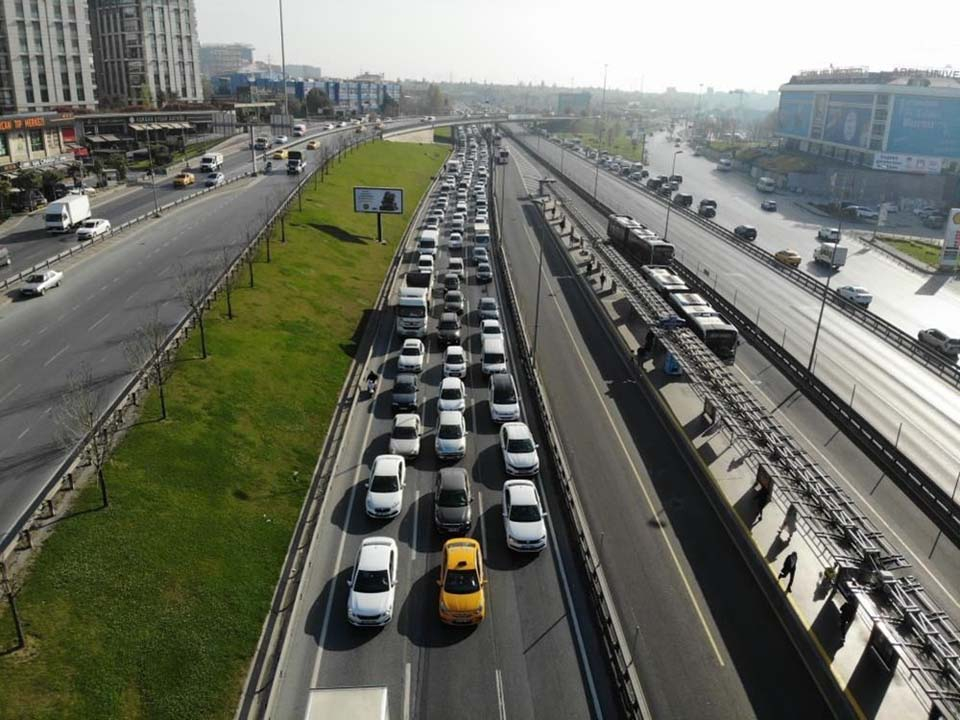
[455,358]
[452,497]
[488,304]
[450,432]
[448,325]
[410,350]
[462,582]
[384,483]
[371,581]
[504,394]
[405,432]
[90,223]
[416,311]
[451,393]
[520,445]
[525,513]
[491,329]
[35,279]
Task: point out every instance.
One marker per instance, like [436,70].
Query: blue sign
[847,125]
[925,126]
[671,322]
[796,111]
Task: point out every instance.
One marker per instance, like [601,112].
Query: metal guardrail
[885,330]
[141,380]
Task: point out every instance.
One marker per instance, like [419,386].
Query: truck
[412,311]
[211,162]
[299,130]
[356,703]
[295,162]
[766,185]
[261,143]
[67,213]
[833,255]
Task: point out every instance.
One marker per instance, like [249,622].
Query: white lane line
[10,392]
[20,436]
[406,692]
[483,528]
[877,515]
[552,293]
[501,706]
[98,322]
[413,532]
[42,330]
[4,357]
[61,352]
[24,343]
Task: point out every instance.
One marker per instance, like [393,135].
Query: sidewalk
[875,691]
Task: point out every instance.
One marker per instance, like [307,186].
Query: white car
[328,126]
[481,219]
[39,283]
[855,294]
[411,356]
[519,450]
[523,517]
[280,139]
[454,361]
[385,486]
[373,583]
[405,436]
[462,207]
[214,180]
[490,329]
[453,395]
[488,308]
[456,241]
[94,227]
[451,438]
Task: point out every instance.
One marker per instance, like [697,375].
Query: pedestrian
[789,522]
[613,285]
[603,279]
[763,497]
[789,568]
[848,611]
[590,267]
[563,224]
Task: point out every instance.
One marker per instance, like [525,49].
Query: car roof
[455,349]
[387,463]
[375,553]
[406,419]
[522,492]
[449,316]
[465,550]
[453,477]
[516,429]
[488,301]
[451,382]
[411,342]
[407,377]
[450,417]
[505,379]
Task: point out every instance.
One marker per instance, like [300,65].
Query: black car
[451,501]
[678,179]
[934,221]
[683,199]
[448,330]
[707,211]
[769,205]
[654,183]
[406,389]
[665,190]
[745,232]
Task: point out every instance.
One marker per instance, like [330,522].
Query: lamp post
[536,312]
[673,169]
[826,288]
[153,175]
[283,70]
[603,104]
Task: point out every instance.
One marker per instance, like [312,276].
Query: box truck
[67,213]
[211,162]
[833,255]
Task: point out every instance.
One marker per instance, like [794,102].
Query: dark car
[406,389]
[448,330]
[484,272]
[683,199]
[453,302]
[745,232]
[678,179]
[934,221]
[451,281]
[707,211]
[665,190]
[451,501]
[654,183]
[769,205]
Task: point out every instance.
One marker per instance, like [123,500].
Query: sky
[648,45]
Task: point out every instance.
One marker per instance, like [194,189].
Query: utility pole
[673,171]
[153,176]
[603,105]
[826,286]
[283,70]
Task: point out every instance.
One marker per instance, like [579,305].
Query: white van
[299,130]
[493,359]
[412,311]
[766,184]
[427,242]
[425,263]
[481,234]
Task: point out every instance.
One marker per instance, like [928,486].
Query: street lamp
[826,288]
[153,175]
[283,63]
[536,313]
[673,169]
[603,103]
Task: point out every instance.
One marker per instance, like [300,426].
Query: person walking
[848,611]
[789,568]
[603,279]
[789,522]
[763,497]
[563,224]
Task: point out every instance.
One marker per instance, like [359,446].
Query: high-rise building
[45,55]
[223,59]
[145,50]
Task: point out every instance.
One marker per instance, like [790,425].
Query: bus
[502,156]
[637,241]
[717,334]
[663,280]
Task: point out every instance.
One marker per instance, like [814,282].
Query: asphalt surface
[535,655]
[894,393]
[935,560]
[707,641]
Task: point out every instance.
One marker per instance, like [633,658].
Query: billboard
[907,163]
[796,112]
[925,126]
[951,241]
[378,200]
[848,125]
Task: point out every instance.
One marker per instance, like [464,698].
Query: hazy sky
[753,45]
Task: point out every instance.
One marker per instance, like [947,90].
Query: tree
[118,162]
[5,189]
[390,107]
[193,284]
[78,420]
[49,180]
[317,102]
[145,347]
[146,97]
[226,260]
[29,180]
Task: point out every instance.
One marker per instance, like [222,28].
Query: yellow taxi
[788,257]
[184,179]
[313,145]
[280,154]
[461,582]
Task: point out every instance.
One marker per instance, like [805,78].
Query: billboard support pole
[380,228]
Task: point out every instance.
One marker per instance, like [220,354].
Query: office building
[45,56]
[145,51]
[222,59]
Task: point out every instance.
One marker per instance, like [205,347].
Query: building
[349,97]
[902,120]
[221,59]
[145,50]
[106,133]
[34,140]
[573,103]
[45,56]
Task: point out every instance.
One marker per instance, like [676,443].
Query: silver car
[451,438]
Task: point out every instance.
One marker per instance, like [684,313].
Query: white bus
[664,281]
[717,334]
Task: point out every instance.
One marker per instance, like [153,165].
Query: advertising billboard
[378,200]
[925,126]
[907,163]
[796,112]
[848,125]
[951,241]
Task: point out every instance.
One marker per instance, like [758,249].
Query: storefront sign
[8,124]
[54,160]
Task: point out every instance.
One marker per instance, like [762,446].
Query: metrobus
[502,155]
[716,333]
[664,281]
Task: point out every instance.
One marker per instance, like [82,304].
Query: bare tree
[77,420]
[193,284]
[249,257]
[226,258]
[146,348]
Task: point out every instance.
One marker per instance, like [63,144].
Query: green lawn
[622,145]
[152,608]
[443,134]
[929,254]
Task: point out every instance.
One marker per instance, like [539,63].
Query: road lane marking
[20,436]
[98,322]
[4,357]
[413,533]
[24,343]
[42,330]
[662,529]
[501,706]
[483,528]
[58,354]
[10,392]
[406,692]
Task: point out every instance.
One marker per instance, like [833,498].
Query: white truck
[211,162]
[833,255]
[356,703]
[67,213]
[299,130]
[412,311]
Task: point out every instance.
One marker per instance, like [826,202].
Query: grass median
[152,608]
[925,253]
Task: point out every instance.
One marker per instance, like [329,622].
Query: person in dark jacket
[789,568]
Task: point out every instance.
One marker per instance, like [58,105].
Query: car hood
[451,404]
[452,515]
[526,530]
[371,603]
[503,409]
[521,460]
[462,603]
[383,500]
[450,445]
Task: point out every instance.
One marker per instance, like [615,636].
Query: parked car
[94,227]
[856,294]
[452,501]
[769,205]
[829,234]
[373,583]
[40,282]
[745,232]
[523,516]
[788,257]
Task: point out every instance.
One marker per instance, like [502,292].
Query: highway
[708,643]
[892,392]
[935,560]
[535,655]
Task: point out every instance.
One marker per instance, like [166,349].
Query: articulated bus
[717,334]
[637,241]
